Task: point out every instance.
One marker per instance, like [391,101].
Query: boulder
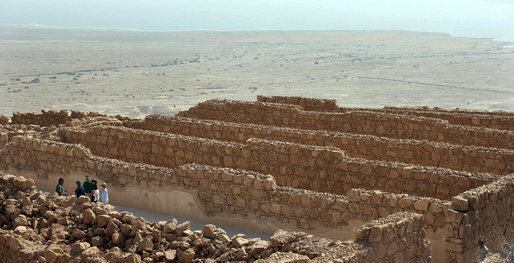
[170,254]
[145,245]
[78,234]
[21,220]
[89,217]
[209,231]
[97,241]
[78,247]
[132,258]
[82,199]
[183,227]
[126,230]
[187,256]
[170,226]
[258,247]
[111,228]
[102,220]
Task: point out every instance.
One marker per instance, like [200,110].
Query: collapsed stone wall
[426,153]
[484,213]
[42,227]
[221,190]
[371,123]
[324,169]
[308,104]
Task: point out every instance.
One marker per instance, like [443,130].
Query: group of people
[89,188]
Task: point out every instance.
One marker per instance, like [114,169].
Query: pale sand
[139,73]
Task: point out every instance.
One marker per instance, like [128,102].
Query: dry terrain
[138,73]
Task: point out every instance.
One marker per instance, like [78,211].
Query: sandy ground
[138,73]
[195,225]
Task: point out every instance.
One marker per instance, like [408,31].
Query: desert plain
[136,73]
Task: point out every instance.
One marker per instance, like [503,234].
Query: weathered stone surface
[303,168]
[187,256]
[79,247]
[209,231]
[145,245]
[170,255]
[89,217]
[258,247]
[103,220]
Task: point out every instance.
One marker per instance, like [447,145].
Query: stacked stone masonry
[324,169]
[415,181]
[223,190]
[361,122]
[43,227]
[308,104]
[426,153]
[494,120]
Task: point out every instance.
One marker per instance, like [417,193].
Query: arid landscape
[319,146]
[136,73]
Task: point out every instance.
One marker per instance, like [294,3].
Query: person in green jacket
[60,187]
[88,186]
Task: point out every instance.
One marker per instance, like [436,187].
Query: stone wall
[456,110]
[46,118]
[3,119]
[371,123]
[484,213]
[4,139]
[54,117]
[324,169]
[44,227]
[478,119]
[426,153]
[396,238]
[220,190]
[494,120]
[308,104]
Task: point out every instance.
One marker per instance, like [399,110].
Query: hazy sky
[480,18]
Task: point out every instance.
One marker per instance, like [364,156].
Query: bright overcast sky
[488,18]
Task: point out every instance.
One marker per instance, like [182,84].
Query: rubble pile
[43,227]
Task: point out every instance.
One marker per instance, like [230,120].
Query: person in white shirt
[95,194]
[105,194]
[482,251]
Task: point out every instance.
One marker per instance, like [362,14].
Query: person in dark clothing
[59,188]
[88,186]
[80,190]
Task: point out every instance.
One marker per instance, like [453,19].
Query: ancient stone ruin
[397,184]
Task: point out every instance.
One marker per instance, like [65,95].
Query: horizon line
[126,29]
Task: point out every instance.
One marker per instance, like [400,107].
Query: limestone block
[89,217]
[422,205]
[460,204]
[453,216]
[405,203]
